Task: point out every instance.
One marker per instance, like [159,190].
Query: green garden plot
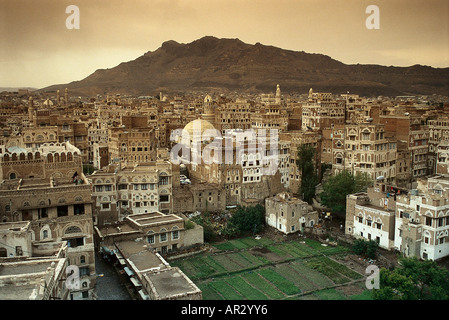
[322,265]
[255,261]
[303,247]
[225,246]
[186,266]
[242,244]
[204,270]
[225,262]
[208,292]
[245,289]
[250,242]
[328,250]
[212,263]
[317,278]
[279,281]
[344,270]
[301,281]
[226,290]
[275,249]
[330,294]
[365,295]
[263,285]
[239,244]
[262,242]
[292,250]
[238,258]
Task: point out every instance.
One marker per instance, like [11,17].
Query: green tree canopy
[309,179]
[246,220]
[339,186]
[366,248]
[413,280]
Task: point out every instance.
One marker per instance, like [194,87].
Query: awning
[118,255]
[107,250]
[136,282]
[143,295]
[128,271]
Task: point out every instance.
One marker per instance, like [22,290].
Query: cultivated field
[250,269]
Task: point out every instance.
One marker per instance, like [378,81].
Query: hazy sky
[38,50]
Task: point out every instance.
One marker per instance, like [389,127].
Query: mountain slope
[229,64]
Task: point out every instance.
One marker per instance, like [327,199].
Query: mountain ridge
[229,64]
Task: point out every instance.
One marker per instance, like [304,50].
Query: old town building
[413,222]
[48,188]
[321,111]
[120,190]
[367,149]
[289,214]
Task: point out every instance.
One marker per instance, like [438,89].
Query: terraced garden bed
[272,270]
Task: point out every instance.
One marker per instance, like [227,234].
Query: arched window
[73,229]
[12,176]
[151,238]
[45,234]
[82,259]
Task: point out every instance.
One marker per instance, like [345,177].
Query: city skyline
[38,50]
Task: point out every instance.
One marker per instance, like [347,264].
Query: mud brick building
[48,189]
[289,214]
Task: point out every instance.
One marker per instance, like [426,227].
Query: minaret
[208,110]
[278,95]
[310,94]
[58,97]
[66,96]
[31,110]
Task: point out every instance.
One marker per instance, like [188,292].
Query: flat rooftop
[138,253]
[21,280]
[169,283]
[152,218]
[9,269]
[110,230]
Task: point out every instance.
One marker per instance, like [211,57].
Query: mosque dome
[198,131]
[197,127]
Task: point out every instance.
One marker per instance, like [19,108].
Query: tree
[413,280]
[309,178]
[246,220]
[365,248]
[339,186]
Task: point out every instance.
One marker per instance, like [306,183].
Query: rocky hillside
[212,64]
